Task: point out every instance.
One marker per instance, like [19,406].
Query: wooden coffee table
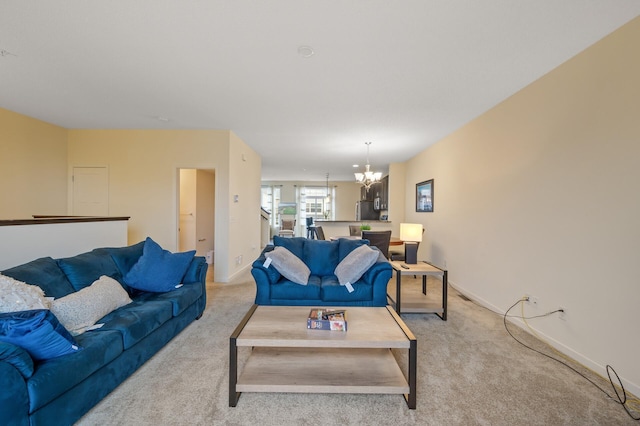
[287,357]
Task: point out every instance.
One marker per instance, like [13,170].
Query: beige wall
[143,175]
[397,196]
[540,196]
[243,226]
[33,174]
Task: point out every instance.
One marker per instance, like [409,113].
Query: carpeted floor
[470,372]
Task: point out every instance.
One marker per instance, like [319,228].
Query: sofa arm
[197,271]
[18,358]
[264,277]
[14,397]
[378,276]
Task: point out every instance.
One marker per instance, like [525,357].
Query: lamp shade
[411,232]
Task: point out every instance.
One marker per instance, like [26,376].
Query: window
[270,201]
[318,204]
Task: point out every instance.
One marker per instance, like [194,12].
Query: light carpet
[470,372]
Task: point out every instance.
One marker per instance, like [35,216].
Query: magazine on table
[327,319]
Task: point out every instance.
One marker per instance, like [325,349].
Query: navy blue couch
[323,288]
[59,391]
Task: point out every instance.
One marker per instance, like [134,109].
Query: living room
[536,196]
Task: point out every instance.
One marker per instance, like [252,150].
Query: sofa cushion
[45,273]
[57,376]
[38,332]
[295,245]
[289,265]
[18,357]
[332,291]
[321,256]
[85,307]
[84,269]
[347,245]
[356,264]
[287,290]
[138,319]
[158,270]
[19,296]
[180,298]
[126,257]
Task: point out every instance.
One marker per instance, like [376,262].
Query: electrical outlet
[532,300]
[563,313]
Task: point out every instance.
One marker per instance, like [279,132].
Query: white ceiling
[401,74]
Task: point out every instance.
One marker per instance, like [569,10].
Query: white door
[90,191]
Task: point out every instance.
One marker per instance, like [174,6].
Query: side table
[423,269]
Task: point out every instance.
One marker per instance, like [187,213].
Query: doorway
[196,223]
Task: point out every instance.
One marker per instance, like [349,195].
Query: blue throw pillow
[158,270]
[38,332]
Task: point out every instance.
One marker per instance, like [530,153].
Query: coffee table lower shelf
[322,370]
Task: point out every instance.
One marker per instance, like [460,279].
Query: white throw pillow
[82,309]
[355,264]
[289,265]
[16,296]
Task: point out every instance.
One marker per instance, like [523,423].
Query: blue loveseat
[60,390]
[322,289]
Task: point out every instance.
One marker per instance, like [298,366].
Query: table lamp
[411,234]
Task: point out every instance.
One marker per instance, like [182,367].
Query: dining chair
[399,255]
[379,239]
[355,231]
[319,233]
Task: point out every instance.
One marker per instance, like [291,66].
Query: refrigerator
[365,211]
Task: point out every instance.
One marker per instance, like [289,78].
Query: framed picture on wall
[424,196]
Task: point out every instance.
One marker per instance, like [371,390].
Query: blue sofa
[60,390]
[323,288]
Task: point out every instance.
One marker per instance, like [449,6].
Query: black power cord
[620,399]
[514,316]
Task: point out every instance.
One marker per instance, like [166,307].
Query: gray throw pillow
[355,264]
[289,265]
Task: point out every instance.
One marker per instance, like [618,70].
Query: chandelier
[368,178]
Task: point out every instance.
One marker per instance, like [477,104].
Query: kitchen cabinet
[380,191]
[366,195]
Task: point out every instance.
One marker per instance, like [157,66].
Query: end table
[423,269]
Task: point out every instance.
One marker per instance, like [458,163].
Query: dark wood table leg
[445,286]
[233,372]
[424,285]
[234,395]
[413,381]
[398,291]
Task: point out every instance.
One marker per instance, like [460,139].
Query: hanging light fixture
[327,201]
[368,178]
[328,195]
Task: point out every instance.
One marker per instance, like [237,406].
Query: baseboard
[240,275]
[601,370]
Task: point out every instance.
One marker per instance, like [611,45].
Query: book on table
[327,319]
